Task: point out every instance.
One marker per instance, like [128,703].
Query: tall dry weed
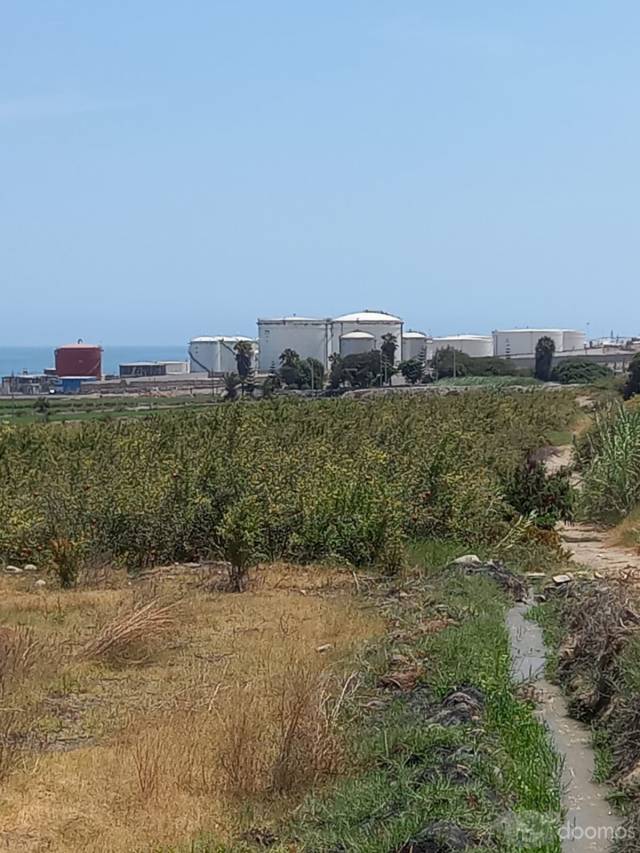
[19,654]
[131,636]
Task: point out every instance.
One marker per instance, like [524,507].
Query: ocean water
[35,359]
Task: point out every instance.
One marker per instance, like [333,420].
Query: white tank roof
[411,334]
[464,338]
[212,339]
[514,331]
[294,318]
[351,336]
[368,316]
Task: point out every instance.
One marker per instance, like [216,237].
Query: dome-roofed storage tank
[355,343]
[573,340]
[415,345]
[79,359]
[476,346]
[376,323]
[215,353]
[308,336]
[508,342]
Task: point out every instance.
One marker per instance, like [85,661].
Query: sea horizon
[34,359]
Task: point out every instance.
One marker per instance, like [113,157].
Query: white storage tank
[308,336]
[376,323]
[415,345]
[215,354]
[354,343]
[573,340]
[511,342]
[476,346]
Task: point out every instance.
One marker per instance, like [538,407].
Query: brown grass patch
[238,717]
[130,637]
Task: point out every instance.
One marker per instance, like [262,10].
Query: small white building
[514,342]
[375,323]
[476,346]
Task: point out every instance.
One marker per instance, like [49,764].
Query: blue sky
[171,169]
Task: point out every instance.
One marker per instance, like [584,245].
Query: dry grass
[130,637]
[236,714]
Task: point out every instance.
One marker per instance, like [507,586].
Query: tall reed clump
[609,457]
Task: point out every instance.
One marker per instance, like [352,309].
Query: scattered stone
[560,580]
[30,567]
[40,583]
[401,680]
[325,647]
[13,570]
[467,560]
[460,707]
[535,576]
[496,571]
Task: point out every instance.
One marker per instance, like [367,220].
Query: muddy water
[589,825]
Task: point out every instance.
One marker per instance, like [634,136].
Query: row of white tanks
[362,332]
[311,337]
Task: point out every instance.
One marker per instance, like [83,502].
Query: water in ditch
[589,825]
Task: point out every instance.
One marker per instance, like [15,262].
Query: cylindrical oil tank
[355,343]
[79,359]
[215,354]
[508,342]
[376,323]
[476,346]
[415,345]
[573,340]
[308,336]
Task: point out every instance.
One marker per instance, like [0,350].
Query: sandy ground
[589,544]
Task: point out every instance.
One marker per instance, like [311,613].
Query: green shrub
[579,371]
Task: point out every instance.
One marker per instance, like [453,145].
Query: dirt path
[590,545]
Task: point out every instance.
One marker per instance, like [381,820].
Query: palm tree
[244,361]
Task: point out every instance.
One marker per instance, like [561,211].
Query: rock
[30,567]
[324,648]
[467,560]
[13,570]
[40,583]
[560,580]
[535,576]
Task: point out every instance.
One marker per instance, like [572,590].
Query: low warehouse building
[153,368]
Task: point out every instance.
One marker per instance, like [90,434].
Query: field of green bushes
[281,479]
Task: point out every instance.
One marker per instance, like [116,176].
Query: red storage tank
[79,360]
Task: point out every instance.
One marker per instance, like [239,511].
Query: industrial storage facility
[355,343]
[79,359]
[308,336]
[476,346]
[416,345]
[214,354]
[375,323]
[515,342]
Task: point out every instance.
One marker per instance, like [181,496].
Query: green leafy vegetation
[609,458]
[632,386]
[449,362]
[327,479]
[579,371]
